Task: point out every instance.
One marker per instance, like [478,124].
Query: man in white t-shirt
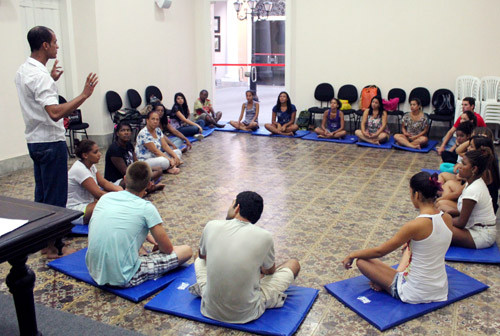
[43,116]
[236,275]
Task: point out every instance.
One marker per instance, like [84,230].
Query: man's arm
[161,237]
[59,111]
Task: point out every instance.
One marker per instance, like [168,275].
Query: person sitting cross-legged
[236,275]
[118,228]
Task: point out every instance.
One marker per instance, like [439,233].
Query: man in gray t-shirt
[237,278]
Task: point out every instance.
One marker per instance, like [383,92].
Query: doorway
[249,53]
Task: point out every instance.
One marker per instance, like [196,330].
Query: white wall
[390,43]
[132,45]
[12,141]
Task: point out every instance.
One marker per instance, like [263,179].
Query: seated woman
[374,127]
[203,110]
[451,157]
[85,184]
[250,110]
[179,118]
[475,224]
[166,126]
[121,154]
[153,147]
[421,275]
[332,125]
[283,118]
[415,125]
[453,188]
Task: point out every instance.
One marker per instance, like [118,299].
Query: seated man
[237,278]
[468,104]
[118,227]
[203,110]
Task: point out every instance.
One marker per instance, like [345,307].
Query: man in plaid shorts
[119,225]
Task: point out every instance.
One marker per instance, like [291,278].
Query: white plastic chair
[466,86]
[490,101]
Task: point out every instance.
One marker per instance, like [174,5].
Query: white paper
[364,299]
[8,225]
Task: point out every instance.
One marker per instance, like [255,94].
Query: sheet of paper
[9,225]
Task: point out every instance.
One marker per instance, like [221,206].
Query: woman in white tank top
[421,274]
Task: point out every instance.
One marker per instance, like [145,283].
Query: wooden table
[46,223]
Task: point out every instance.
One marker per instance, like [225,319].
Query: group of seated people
[163,153]
[457,209]
[235,290]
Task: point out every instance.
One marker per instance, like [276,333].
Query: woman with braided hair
[421,274]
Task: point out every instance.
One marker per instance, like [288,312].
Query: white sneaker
[199,136]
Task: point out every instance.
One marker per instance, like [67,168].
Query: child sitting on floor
[332,125]
[421,274]
[451,157]
[250,110]
[119,226]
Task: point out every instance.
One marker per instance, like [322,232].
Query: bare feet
[375,287]
[53,253]
[173,171]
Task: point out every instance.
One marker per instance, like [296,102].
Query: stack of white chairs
[466,86]
[490,101]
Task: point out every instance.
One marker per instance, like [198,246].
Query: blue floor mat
[490,255]
[430,146]
[230,128]
[387,145]
[74,266]
[79,228]
[431,171]
[205,134]
[348,139]
[264,132]
[384,311]
[177,300]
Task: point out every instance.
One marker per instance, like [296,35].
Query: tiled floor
[321,201]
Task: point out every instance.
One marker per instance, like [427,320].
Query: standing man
[468,104]
[236,275]
[43,116]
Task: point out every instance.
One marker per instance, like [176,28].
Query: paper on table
[8,225]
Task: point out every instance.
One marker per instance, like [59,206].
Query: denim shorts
[394,286]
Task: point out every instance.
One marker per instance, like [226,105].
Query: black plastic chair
[324,92]
[421,93]
[350,93]
[75,125]
[114,103]
[401,94]
[135,100]
[153,91]
[442,115]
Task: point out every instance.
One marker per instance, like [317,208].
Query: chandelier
[252,7]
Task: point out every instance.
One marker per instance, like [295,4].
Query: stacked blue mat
[490,255]
[177,300]
[348,139]
[79,228]
[264,132]
[205,133]
[384,311]
[430,146]
[386,145]
[74,266]
[230,128]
